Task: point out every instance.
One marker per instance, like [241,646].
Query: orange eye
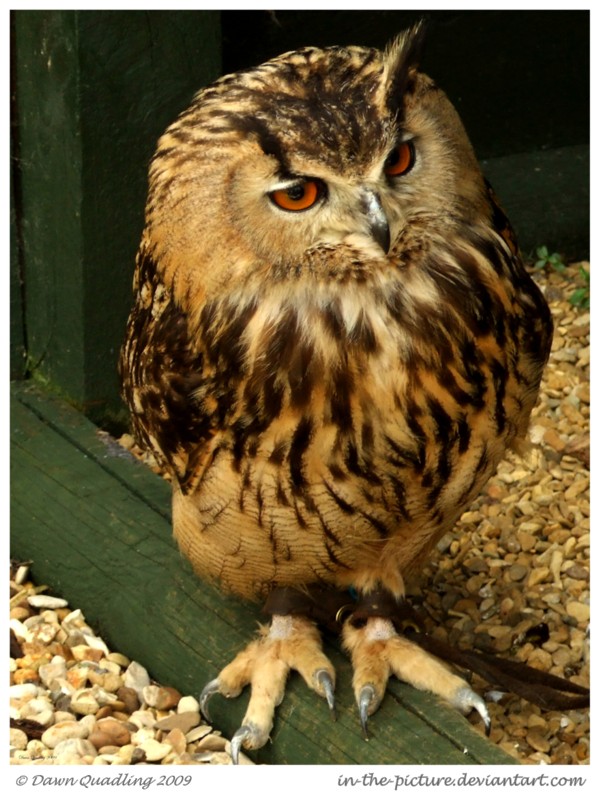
[400,160]
[298,197]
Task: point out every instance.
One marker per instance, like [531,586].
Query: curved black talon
[324,679]
[212,687]
[367,693]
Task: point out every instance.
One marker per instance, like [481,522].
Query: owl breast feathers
[334,339]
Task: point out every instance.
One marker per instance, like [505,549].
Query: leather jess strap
[332,608]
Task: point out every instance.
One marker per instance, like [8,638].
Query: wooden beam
[97,527]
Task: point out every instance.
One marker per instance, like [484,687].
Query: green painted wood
[18,346]
[93,91]
[96,525]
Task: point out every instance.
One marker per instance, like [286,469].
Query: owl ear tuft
[401,60]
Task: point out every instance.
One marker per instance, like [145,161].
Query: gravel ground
[72,701]
[517,564]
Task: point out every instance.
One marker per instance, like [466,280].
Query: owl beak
[378,224]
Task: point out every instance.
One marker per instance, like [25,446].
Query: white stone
[39,709]
[142,718]
[21,573]
[139,737]
[187,703]
[18,739]
[87,723]
[96,642]
[136,677]
[21,690]
[20,630]
[75,623]
[84,702]
[155,751]
[119,659]
[150,694]
[76,747]
[37,749]
[60,731]
[45,632]
[57,668]
[110,666]
[46,601]
[103,697]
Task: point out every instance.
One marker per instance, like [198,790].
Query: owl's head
[343,151]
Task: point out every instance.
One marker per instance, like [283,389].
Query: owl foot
[291,642]
[378,651]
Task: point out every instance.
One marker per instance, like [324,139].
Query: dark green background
[92,91]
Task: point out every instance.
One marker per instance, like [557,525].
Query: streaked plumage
[327,409]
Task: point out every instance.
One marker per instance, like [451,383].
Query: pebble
[526,538]
[517,572]
[20,630]
[184,721]
[83,652]
[580,611]
[55,669]
[537,575]
[45,601]
[188,703]
[108,681]
[84,702]
[155,751]
[39,710]
[73,747]
[197,733]
[109,732]
[95,643]
[77,677]
[23,690]
[119,659]
[18,739]
[537,741]
[142,735]
[212,742]
[62,730]
[129,698]
[143,718]
[136,677]
[176,738]
[161,697]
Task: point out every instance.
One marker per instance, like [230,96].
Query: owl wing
[179,399]
[500,221]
